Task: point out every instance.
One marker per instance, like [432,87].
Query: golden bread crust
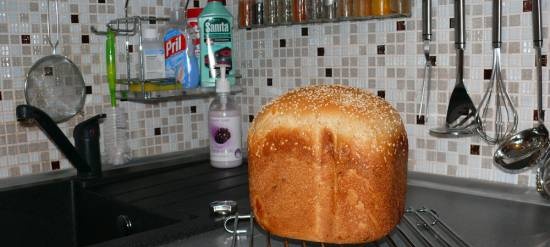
[328,164]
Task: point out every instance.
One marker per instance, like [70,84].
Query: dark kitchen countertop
[485,214]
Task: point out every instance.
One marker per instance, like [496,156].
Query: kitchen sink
[61,213]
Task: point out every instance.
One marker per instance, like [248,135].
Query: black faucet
[85,155]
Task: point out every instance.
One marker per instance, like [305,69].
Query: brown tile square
[25,39]
[527,6]
[282,43]
[328,72]
[433,60]
[487,74]
[320,51]
[381,50]
[55,165]
[14,171]
[85,39]
[474,149]
[74,19]
[305,31]
[400,25]
[420,119]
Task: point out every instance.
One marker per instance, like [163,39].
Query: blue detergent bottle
[181,62]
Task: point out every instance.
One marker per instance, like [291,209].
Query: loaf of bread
[328,164]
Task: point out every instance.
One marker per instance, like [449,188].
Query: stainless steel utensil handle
[537,24]
[427,19]
[497,18]
[48,23]
[460,37]
[459,65]
[537,43]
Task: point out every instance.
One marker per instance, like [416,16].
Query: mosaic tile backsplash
[383,56]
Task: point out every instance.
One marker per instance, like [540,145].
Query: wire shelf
[418,228]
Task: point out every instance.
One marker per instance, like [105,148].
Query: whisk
[505,117]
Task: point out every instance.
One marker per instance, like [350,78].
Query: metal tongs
[427,37]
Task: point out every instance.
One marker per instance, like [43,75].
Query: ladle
[522,150]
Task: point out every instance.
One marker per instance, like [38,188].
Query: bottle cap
[150,33]
[222,84]
[193,12]
[221,1]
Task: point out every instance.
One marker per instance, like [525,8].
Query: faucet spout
[77,156]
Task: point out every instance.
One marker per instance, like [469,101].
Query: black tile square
[474,149]
[0,95]
[320,51]
[193,109]
[157,131]
[152,21]
[381,94]
[100,1]
[130,48]
[250,118]
[74,19]
[487,74]
[85,39]
[305,31]
[452,23]
[196,3]
[282,43]
[88,89]
[25,39]
[433,60]
[420,119]
[328,72]
[381,50]
[55,165]
[401,26]
[269,82]
[543,60]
